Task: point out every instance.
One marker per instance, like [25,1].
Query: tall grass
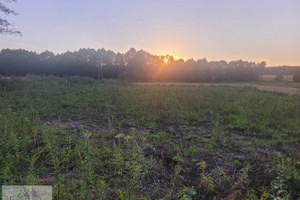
[187,141]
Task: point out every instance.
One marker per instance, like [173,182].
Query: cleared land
[94,140]
[285,77]
[279,83]
[262,86]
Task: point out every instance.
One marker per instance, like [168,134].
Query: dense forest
[132,65]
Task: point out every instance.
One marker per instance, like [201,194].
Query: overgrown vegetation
[95,140]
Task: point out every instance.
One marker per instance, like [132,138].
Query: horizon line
[154,54]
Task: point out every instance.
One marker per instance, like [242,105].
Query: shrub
[279,77]
[297,75]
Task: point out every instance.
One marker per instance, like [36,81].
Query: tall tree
[7,27]
[261,68]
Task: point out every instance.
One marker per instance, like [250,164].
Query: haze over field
[252,30]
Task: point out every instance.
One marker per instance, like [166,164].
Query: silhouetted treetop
[7,27]
[133,65]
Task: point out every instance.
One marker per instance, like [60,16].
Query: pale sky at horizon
[252,30]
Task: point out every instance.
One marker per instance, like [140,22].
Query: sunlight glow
[166,60]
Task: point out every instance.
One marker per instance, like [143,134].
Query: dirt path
[285,90]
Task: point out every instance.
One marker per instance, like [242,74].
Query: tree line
[132,65]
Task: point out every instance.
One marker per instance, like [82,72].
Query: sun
[166,60]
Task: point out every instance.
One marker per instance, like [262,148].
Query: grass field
[285,77]
[278,83]
[95,140]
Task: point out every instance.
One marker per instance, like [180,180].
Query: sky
[253,30]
